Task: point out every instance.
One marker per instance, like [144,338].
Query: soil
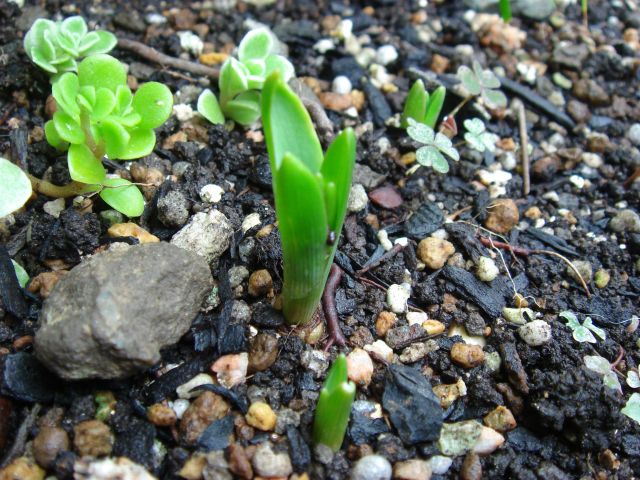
[569,425]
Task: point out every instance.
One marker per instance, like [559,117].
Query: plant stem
[65,191]
[85,124]
[460,105]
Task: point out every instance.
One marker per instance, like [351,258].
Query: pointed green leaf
[494,98]
[256,44]
[123,196]
[233,79]
[153,102]
[415,105]
[83,166]
[209,107]
[420,132]
[102,70]
[15,187]
[278,63]
[434,106]
[282,114]
[75,26]
[337,168]
[105,41]
[245,109]
[52,136]
[115,137]
[256,67]
[68,129]
[469,80]
[65,90]
[21,274]
[141,143]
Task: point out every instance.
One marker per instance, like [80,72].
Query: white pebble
[359,367]
[488,441]
[341,85]
[54,207]
[211,193]
[440,464]
[381,349]
[179,406]
[397,297]
[155,19]
[190,42]
[383,238]
[535,333]
[634,134]
[250,221]
[371,467]
[577,181]
[231,369]
[416,318]
[183,112]
[324,45]
[184,390]
[486,269]
[386,54]
[358,199]
[592,160]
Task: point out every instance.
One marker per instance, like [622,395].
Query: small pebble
[592,160]
[263,352]
[416,318]
[383,238]
[502,216]
[260,283]
[132,230]
[384,322]
[412,470]
[602,278]
[49,442]
[433,327]
[359,367]
[202,412]
[471,467]
[535,333]
[231,370]
[386,54]
[467,356]
[180,406]
[397,297]
[250,221]
[184,390]
[500,419]
[381,350]
[261,416]
[211,193]
[449,393]
[440,464]
[371,467]
[161,415]
[386,197]
[583,267]
[358,198]
[634,134]
[625,221]
[434,252]
[486,269]
[191,43]
[92,438]
[517,316]
[341,85]
[488,441]
[22,468]
[268,463]
[54,207]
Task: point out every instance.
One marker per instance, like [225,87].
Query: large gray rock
[111,315]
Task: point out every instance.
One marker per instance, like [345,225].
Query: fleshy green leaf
[68,129]
[256,44]
[39,59]
[278,63]
[125,197]
[420,132]
[52,136]
[104,104]
[115,137]
[632,408]
[570,317]
[65,90]
[434,106]
[76,26]
[256,67]
[21,274]
[102,70]
[87,97]
[245,108]
[34,36]
[209,107]
[15,187]
[415,105]
[141,143]
[283,113]
[123,99]
[469,80]
[153,102]
[83,166]
[67,43]
[337,169]
[233,79]
[105,43]
[87,42]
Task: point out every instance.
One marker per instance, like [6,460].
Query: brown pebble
[545,168]
[239,464]
[434,252]
[471,467]
[439,64]
[22,468]
[384,322]
[193,467]
[386,197]
[43,283]
[213,58]
[92,438]
[533,213]
[130,229]
[183,18]
[263,352]
[260,283]
[608,460]
[467,356]
[357,99]
[414,469]
[49,442]
[161,415]
[335,101]
[502,216]
[205,409]
[590,91]
[50,106]
[22,342]
[500,419]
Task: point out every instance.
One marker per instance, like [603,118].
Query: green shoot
[421,106]
[478,138]
[21,274]
[334,406]
[585,12]
[483,83]
[242,79]
[15,187]
[505,9]
[56,46]
[311,193]
[435,145]
[582,333]
[602,367]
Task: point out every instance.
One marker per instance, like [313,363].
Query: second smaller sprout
[421,106]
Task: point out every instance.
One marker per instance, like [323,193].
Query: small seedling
[477,136]
[311,192]
[21,274]
[602,366]
[633,379]
[435,145]
[421,106]
[632,408]
[242,79]
[98,115]
[334,406]
[15,187]
[56,46]
[582,333]
[482,82]
[505,9]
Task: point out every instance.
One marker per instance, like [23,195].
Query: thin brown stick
[330,310]
[165,60]
[524,151]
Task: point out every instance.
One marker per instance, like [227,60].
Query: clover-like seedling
[334,406]
[311,192]
[484,83]
[242,79]
[632,407]
[582,333]
[602,366]
[633,379]
[15,187]
[56,46]
[421,106]
[97,115]
[477,136]
[435,145]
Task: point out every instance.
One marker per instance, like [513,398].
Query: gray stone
[535,333]
[173,209]
[570,55]
[366,177]
[371,467]
[268,463]
[625,221]
[207,234]
[634,134]
[111,315]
